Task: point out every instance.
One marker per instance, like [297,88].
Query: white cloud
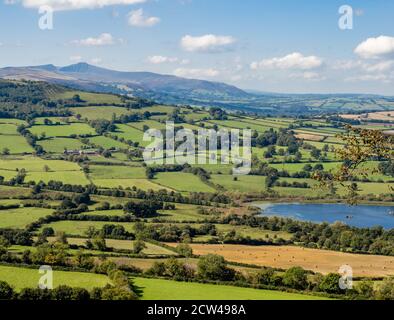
[375,47]
[59,5]
[291,61]
[104,39]
[207,43]
[75,58]
[96,60]
[163,59]
[196,73]
[137,19]
[346,64]
[379,67]
[368,77]
[310,76]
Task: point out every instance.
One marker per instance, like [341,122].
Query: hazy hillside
[170,89]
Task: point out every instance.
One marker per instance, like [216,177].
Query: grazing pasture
[129,133]
[89,97]
[35,164]
[100,112]
[59,145]
[8,129]
[19,218]
[15,144]
[79,228]
[21,278]
[116,172]
[67,177]
[65,130]
[143,184]
[158,289]
[107,143]
[240,183]
[180,181]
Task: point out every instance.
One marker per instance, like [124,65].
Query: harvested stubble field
[285,257]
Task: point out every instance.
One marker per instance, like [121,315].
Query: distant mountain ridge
[169,89]
[145,84]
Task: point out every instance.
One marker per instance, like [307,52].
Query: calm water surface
[358,216]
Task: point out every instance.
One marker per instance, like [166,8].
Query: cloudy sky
[267,45]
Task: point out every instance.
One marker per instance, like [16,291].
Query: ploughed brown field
[311,137]
[322,261]
[381,115]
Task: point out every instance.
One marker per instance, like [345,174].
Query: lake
[357,216]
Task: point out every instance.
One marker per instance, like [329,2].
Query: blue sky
[267,45]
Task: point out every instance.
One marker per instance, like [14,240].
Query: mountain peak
[79,67]
[46,67]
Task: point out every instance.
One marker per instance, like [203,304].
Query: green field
[152,124]
[65,130]
[35,164]
[183,212]
[116,172]
[242,183]
[107,143]
[43,170]
[16,122]
[58,145]
[21,217]
[143,184]
[130,134]
[80,227]
[182,182]
[67,177]
[89,97]
[15,144]
[100,112]
[21,278]
[158,289]
[8,129]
